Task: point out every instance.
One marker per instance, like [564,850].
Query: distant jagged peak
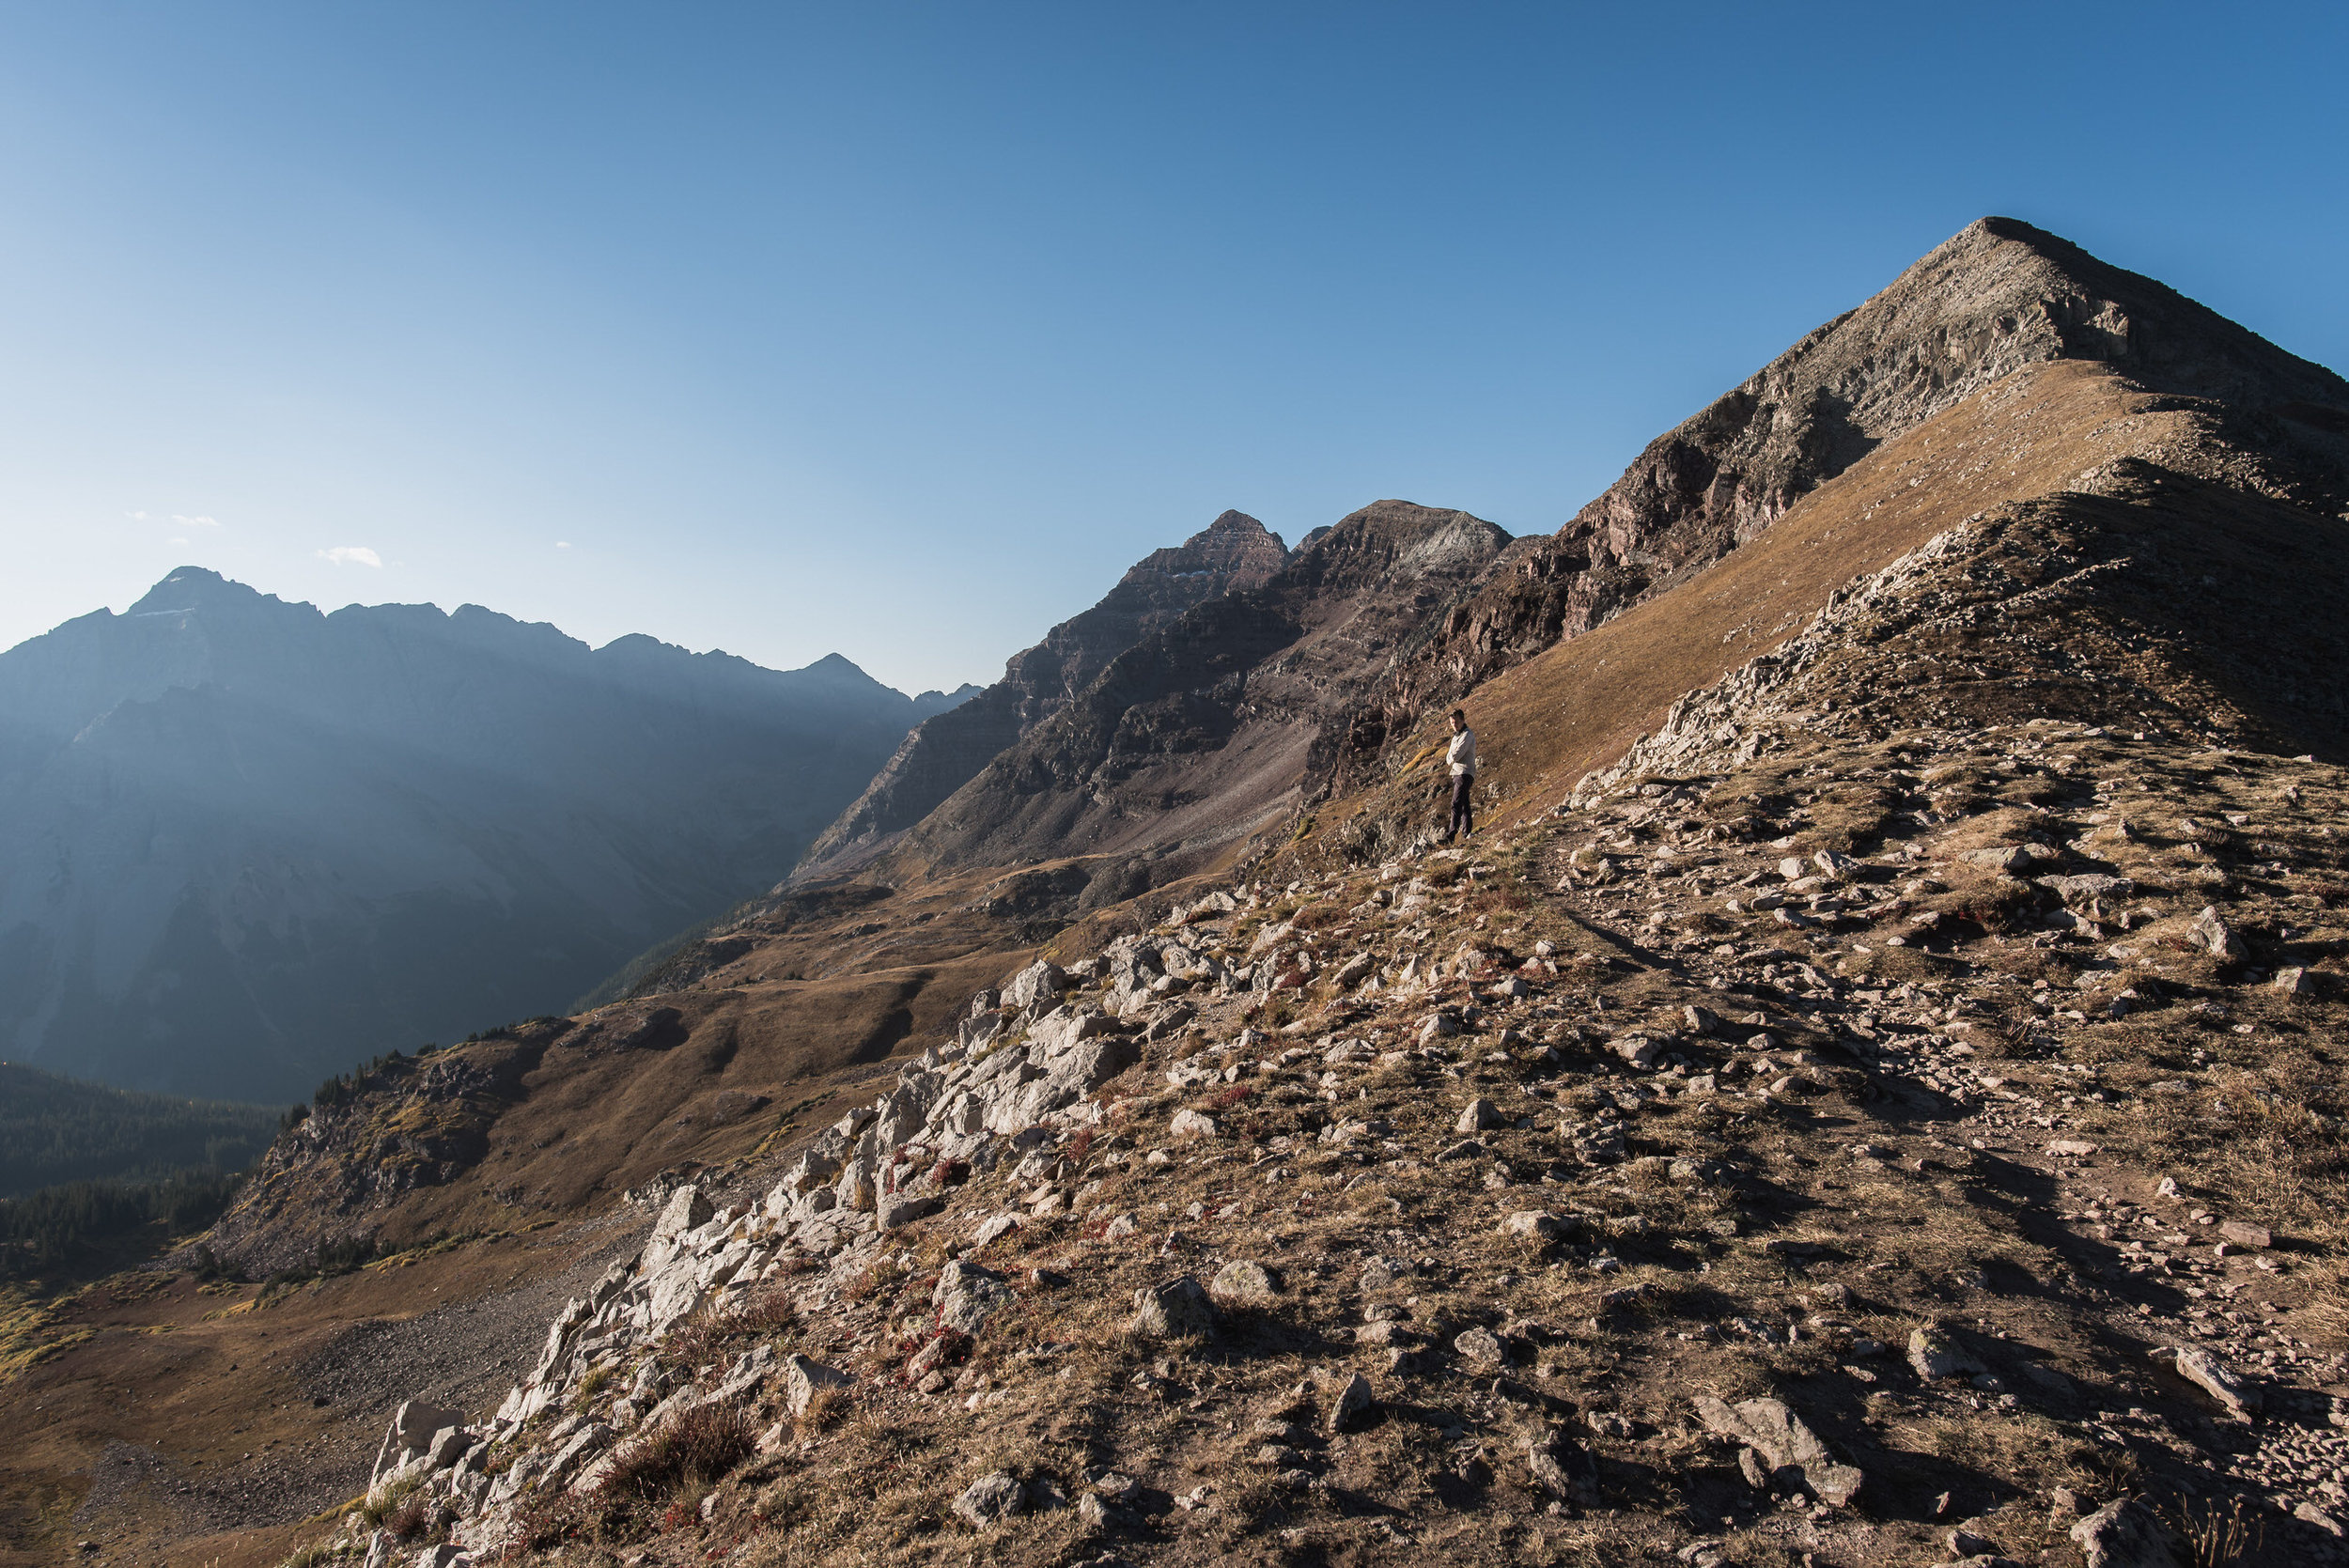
[1234,546]
[193,588]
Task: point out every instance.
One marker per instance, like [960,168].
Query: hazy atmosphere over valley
[1291,785]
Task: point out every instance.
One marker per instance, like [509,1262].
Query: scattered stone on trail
[1561,1466]
[2236,1233]
[1178,1310]
[1480,1350]
[1934,1355]
[2213,934]
[1784,1444]
[1478,1116]
[1537,1223]
[2198,1367]
[1638,1049]
[1354,1400]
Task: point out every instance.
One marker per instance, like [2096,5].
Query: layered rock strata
[944,752]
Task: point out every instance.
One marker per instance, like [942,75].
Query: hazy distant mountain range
[243,843]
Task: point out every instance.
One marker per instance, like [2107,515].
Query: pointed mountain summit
[1996,297]
[1233,552]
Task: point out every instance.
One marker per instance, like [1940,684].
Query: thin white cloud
[352,555]
[195,523]
[562,544]
[136,517]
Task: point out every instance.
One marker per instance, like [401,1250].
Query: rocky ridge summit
[1871,1091]
[1995,297]
[944,752]
[243,843]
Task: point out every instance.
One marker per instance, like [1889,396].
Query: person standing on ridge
[1461,756]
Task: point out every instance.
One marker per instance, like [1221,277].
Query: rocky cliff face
[1199,734]
[243,843]
[1233,553]
[1999,296]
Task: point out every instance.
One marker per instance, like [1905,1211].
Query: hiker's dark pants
[1461,784]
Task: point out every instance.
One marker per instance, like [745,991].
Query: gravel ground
[466,1354]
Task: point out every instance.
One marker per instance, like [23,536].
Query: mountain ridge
[940,757]
[1995,296]
[283,831]
[1869,1090]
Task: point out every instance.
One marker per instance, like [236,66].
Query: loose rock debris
[1985,1190]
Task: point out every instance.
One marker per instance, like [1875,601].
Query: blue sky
[902,330]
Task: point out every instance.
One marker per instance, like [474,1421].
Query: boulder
[1180,1309]
[1477,1115]
[1563,1467]
[1193,1123]
[686,1210]
[673,1291]
[804,1379]
[2127,1534]
[573,1457]
[1064,1029]
[2198,1367]
[1934,1355]
[992,1496]
[1250,1284]
[966,1296]
[891,1212]
[1480,1350]
[1788,1449]
[1353,1401]
[413,1426]
[1040,981]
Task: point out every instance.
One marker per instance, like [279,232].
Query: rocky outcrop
[1999,296]
[371,1137]
[1234,552]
